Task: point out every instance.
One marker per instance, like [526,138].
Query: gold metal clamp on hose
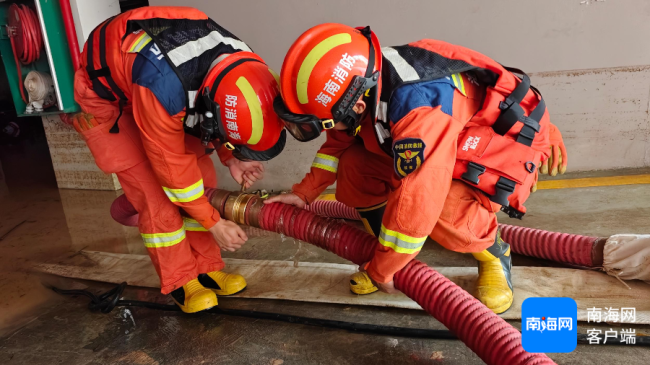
[239,207]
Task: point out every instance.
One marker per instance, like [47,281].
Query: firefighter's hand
[289,198]
[388,288]
[558,160]
[229,236]
[245,171]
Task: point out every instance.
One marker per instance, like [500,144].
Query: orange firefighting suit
[161,169]
[426,202]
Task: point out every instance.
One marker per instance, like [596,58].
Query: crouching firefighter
[160,89]
[425,140]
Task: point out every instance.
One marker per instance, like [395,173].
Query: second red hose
[490,337]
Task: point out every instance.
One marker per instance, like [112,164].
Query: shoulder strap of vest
[512,112]
[189,110]
[94,74]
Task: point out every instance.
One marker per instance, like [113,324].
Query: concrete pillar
[74,165]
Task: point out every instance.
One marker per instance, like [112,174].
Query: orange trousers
[180,249]
[468,221]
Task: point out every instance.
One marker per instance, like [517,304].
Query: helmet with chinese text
[237,95]
[327,69]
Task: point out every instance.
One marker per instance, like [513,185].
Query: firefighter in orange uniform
[160,89]
[414,144]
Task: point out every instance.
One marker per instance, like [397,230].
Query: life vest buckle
[473,172]
[503,189]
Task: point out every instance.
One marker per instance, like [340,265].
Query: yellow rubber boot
[361,284]
[222,283]
[494,285]
[194,297]
[371,217]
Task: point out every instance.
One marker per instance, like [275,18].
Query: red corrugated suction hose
[566,248]
[25,37]
[333,209]
[123,212]
[488,335]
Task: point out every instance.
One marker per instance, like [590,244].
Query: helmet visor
[303,127]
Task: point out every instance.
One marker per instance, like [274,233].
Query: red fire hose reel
[26,39]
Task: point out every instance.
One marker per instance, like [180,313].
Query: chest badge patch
[409,155]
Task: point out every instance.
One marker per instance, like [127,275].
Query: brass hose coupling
[241,208]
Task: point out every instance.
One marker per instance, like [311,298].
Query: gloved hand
[245,171]
[289,198]
[558,160]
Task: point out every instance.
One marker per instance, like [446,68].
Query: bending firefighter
[425,140]
[160,89]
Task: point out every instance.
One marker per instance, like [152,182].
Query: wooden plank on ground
[328,283]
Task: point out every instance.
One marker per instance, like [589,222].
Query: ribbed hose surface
[333,209]
[490,337]
[561,247]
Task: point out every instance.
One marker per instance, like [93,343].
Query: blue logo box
[549,324]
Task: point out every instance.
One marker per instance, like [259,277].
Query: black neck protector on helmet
[212,127]
[306,127]
[343,110]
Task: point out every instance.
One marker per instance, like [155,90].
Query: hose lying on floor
[622,256]
[566,248]
[489,336]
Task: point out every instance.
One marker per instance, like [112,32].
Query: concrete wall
[548,35]
[88,14]
[74,165]
[602,111]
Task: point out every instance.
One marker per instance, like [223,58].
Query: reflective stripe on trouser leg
[399,242]
[372,217]
[156,240]
[326,162]
[187,194]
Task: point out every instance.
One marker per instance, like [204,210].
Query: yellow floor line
[594,181]
[572,183]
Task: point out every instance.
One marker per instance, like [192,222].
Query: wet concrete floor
[40,327]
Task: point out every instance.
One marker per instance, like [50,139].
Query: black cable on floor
[106,302]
